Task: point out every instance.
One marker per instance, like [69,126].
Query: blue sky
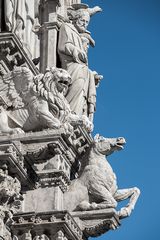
[127,53]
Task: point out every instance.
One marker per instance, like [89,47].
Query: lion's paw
[87,123]
[68,128]
[84,206]
[94,205]
[16,131]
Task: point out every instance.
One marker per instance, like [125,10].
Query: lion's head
[56,78]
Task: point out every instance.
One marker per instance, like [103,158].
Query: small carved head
[80,15]
[107,146]
[81,20]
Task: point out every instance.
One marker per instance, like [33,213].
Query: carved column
[52,13]
[48,36]
[0,16]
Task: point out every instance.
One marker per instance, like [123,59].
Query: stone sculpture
[21,17]
[74,40]
[10,200]
[96,187]
[47,151]
[37,102]
[25,236]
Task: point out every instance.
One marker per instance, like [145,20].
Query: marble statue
[96,187]
[37,102]
[47,152]
[74,40]
[21,17]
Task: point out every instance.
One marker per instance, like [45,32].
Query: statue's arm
[67,46]
[77,54]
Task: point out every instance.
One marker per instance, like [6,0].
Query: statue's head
[81,21]
[57,77]
[80,15]
[62,79]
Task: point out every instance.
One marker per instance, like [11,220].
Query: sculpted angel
[35,102]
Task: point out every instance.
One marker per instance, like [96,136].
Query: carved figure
[36,102]
[4,127]
[74,40]
[25,236]
[10,199]
[96,187]
[42,237]
[21,17]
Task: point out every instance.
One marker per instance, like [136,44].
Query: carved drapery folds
[74,40]
[21,18]
[55,182]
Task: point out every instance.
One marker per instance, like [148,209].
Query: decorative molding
[13,54]
[49,222]
[54,179]
[97,222]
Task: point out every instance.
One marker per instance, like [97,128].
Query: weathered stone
[37,102]
[96,186]
[13,54]
[96,222]
[21,18]
[72,50]
[55,182]
[10,201]
[41,223]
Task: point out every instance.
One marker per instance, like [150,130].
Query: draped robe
[81,94]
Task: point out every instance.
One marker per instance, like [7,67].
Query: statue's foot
[84,206]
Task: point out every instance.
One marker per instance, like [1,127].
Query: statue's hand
[83,57]
[97,78]
[79,56]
